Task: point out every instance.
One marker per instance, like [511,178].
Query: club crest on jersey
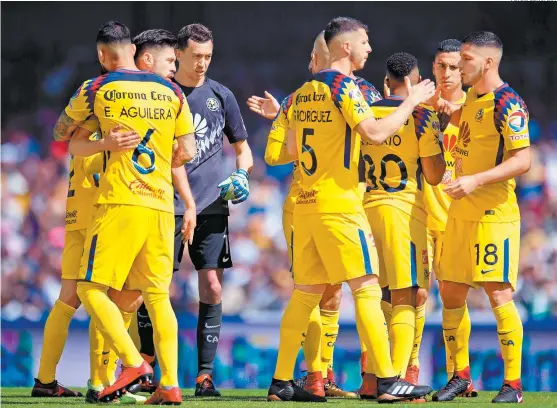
[212,104]
[517,121]
[480,115]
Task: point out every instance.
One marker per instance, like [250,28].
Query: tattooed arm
[65,126]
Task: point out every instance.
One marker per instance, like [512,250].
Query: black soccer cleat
[288,391]
[397,389]
[204,387]
[508,394]
[456,386]
[54,389]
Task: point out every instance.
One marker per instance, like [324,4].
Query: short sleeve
[80,106]
[428,132]
[352,104]
[511,119]
[184,121]
[234,127]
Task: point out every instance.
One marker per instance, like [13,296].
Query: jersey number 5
[306,148]
[143,149]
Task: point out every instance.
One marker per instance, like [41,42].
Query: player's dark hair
[339,25]
[484,39]
[400,64]
[196,32]
[113,32]
[449,45]
[153,38]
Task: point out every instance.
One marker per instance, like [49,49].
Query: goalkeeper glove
[235,187]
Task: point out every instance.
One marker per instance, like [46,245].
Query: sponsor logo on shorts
[487,271]
[425,258]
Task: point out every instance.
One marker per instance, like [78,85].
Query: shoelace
[506,389]
[453,383]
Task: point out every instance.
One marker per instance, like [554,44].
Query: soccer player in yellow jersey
[331,242]
[437,202]
[276,154]
[393,201]
[154,53]
[134,186]
[482,239]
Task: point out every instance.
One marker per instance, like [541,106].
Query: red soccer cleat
[128,376]
[368,390]
[161,396]
[315,383]
[412,374]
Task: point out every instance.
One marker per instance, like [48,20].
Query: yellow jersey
[82,189]
[278,136]
[325,110]
[156,109]
[393,169]
[490,126]
[437,202]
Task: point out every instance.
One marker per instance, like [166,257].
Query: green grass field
[20,397]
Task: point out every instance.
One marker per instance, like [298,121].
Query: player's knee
[314,289]
[68,294]
[421,296]
[405,296]
[126,300]
[498,293]
[453,294]
[362,282]
[331,298]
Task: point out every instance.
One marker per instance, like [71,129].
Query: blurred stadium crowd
[34,189]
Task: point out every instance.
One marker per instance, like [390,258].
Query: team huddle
[386,190]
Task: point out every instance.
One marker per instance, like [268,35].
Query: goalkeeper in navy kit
[215,114]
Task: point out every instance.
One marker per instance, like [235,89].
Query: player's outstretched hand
[421,92]
[461,187]
[267,107]
[118,140]
[188,225]
[235,187]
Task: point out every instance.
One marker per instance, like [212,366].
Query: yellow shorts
[132,245]
[475,252]
[332,248]
[401,242]
[434,247]
[287,220]
[73,250]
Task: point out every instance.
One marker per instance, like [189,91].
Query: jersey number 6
[143,149]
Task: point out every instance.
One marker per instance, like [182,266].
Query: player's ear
[132,49]
[488,63]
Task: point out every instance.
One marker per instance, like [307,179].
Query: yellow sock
[165,335]
[367,365]
[134,332]
[510,332]
[387,309]
[54,340]
[448,360]
[456,329]
[293,325]
[402,334]
[108,370]
[312,342]
[108,319]
[329,324]
[97,359]
[418,333]
[367,302]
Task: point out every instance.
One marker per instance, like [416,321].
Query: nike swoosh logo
[211,327]
[489,270]
[105,352]
[141,315]
[225,258]
[330,335]
[519,399]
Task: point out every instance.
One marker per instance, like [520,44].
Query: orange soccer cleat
[412,374]
[161,396]
[368,390]
[314,383]
[129,376]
